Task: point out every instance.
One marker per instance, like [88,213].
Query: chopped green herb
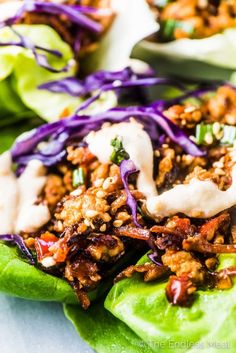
[161,3]
[209,133]
[168,28]
[119,153]
[78,177]
[229,136]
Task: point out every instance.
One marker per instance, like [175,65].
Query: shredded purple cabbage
[154,258]
[69,85]
[74,13]
[40,58]
[196,93]
[17,240]
[118,84]
[60,133]
[93,82]
[128,168]
[103,81]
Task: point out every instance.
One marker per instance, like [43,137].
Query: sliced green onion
[207,134]
[119,153]
[229,136]
[78,177]
[169,26]
[202,132]
[161,3]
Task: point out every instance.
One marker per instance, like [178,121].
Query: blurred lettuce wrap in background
[192,42]
[21,74]
[115,48]
[22,71]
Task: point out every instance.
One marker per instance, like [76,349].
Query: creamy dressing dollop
[31,217]
[200,199]
[197,199]
[136,143]
[8,194]
[18,211]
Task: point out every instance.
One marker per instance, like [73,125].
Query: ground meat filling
[91,227]
[91,230]
[194,18]
[68,31]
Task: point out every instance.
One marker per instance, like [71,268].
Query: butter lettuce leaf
[20,279]
[207,58]
[20,123]
[103,332]
[208,325]
[23,75]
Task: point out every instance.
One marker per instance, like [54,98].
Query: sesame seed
[101,194]
[230,119]
[117,223]
[178,159]
[87,222]
[107,183]
[59,226]
[218,164]
[76,192]
[193,138]
[189,158]
[106,217]
[190,109]
[48,261]
[219,171]
[117,83]
[91,213]
[123,216]
[219,135]
[208,138]
[216,128]
[103,228]
[98,182]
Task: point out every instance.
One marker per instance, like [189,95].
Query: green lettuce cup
[20,74]
[195,40]
[106,334]
[207,326]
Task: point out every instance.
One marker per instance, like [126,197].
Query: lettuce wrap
[21,74]
[195,42]
[106,334]
[207,326]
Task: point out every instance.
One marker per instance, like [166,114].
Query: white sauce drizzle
[136,143]
[197,199]
[201,199]
[30,184]
[8,195]
[18,211]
